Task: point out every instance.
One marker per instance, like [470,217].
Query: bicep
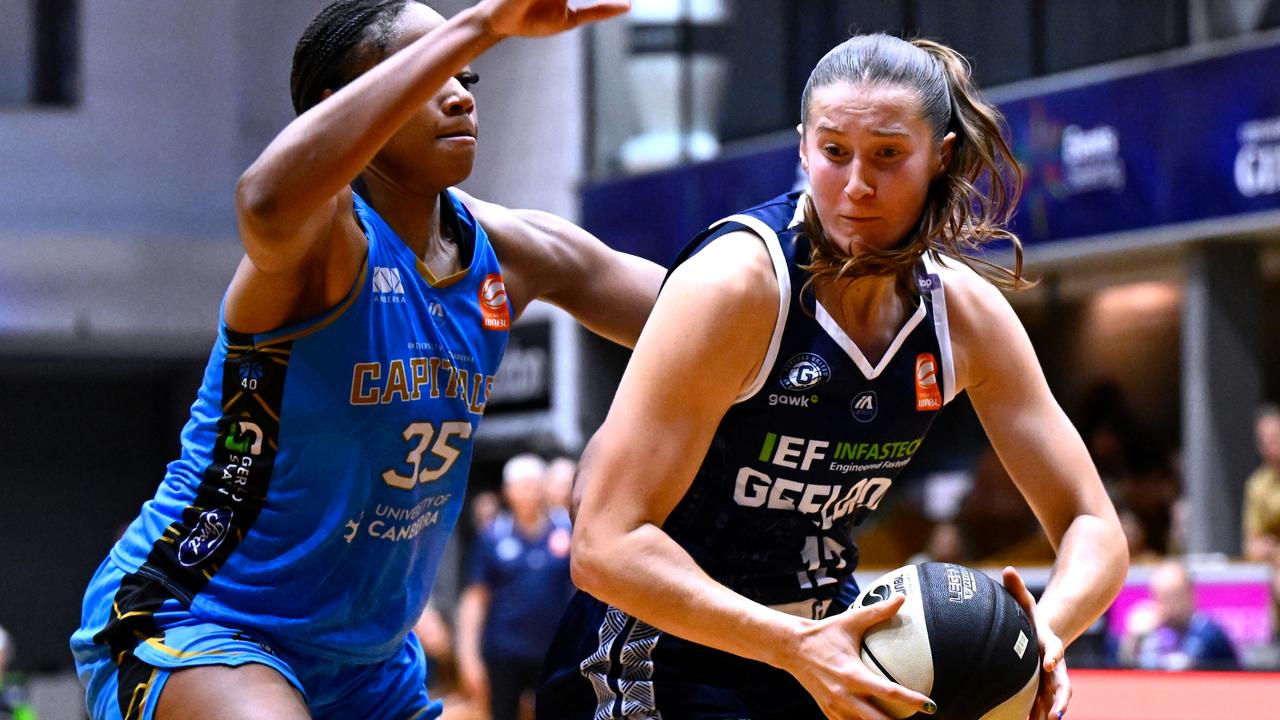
[547,257]
[611,293]
[691,362]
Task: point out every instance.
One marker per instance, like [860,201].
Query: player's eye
[467,78]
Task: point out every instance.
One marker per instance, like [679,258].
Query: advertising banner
[1192,141]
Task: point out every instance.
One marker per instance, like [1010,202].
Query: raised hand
[828,663]
[535,18]
[1055,686]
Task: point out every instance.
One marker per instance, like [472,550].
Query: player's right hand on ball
[534,18]
[828,662]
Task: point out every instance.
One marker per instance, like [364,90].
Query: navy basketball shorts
[124,683]
[607,665]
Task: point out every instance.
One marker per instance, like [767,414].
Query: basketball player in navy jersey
[281,565]
[793,363]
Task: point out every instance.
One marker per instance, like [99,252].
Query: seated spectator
[1135,532]
[518,587]
[1261,522]
[1168,633]
[946,544]
[1267,655]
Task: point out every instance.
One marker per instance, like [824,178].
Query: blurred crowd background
[1149,131]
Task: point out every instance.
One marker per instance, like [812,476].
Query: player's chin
[454,167]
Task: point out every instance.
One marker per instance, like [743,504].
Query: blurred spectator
[518,586]
[1168,633]
[1267,655]
[1261,521]
[946,544]
[1135,532]
[485,508]
[996,522]
[14,704]
[560,472]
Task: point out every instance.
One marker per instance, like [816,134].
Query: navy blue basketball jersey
[324,465]
[813,445]
[809,449]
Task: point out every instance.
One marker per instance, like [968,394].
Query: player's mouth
[459,135]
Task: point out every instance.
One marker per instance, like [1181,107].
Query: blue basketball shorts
[124,676]
[607,665]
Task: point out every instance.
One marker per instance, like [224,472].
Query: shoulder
[733,270]
[980,320]
[971,298]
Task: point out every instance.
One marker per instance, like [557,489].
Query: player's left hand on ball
[1055,686]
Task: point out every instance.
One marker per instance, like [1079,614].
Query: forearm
[663,586]
[326,147]
[1091,567]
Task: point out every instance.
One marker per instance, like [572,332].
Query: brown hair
[969,203]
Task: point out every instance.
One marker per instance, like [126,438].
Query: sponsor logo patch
[436,310]
[928,397]
[387,280]
[865,406]
[493,303]
[211,528]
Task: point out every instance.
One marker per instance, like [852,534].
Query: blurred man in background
[518,587]
[560,472]
[1262,492]
[1170,634]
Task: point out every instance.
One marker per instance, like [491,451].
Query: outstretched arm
[547,257]
[1051,467]
[285,198]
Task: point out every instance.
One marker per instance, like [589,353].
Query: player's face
[870,157]
[436,148]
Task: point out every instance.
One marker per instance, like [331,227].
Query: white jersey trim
[851,348]
[943,330]
[770,239]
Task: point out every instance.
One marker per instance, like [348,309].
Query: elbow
[587,564]
[258,215]
[256,204]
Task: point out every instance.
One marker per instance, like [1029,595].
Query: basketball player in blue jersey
[793,363]
[282,563]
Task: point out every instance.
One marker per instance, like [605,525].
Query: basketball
[959,638]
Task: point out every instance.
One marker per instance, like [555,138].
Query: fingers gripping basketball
[959,638]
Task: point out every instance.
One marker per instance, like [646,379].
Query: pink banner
[1241,608]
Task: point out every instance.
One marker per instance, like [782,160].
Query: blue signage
[1195,141]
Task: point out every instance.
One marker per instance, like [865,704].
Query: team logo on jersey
[387,280]
[927,395]
[493,303]
[804,371]
[211,528]
[436,310]
[865,406]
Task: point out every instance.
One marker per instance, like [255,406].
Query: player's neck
[866,300]
[416,218]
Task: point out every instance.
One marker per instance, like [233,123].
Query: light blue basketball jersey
[324,465]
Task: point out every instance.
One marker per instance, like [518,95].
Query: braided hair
[343,41]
